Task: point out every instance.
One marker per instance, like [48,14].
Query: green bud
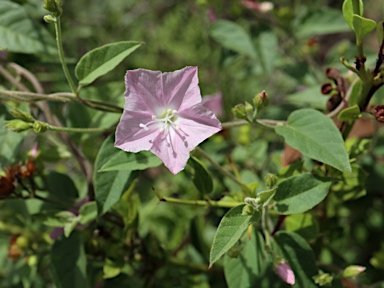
[22,242]
[33,260]
[261,100]
[49,19]
[247,210]
[21,115]
[323,279]
[270,180]
[17,125]
[53,6]
[240,112]
[353,271]
[248,107]
[40,127]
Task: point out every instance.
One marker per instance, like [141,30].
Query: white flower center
[166,120]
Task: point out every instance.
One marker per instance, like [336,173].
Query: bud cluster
[248,112]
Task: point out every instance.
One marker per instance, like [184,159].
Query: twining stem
[203,203]
[218,167]
[62,56]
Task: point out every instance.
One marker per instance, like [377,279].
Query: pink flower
[285,272]
[214,103]
[163,113]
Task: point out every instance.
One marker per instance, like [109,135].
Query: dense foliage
[289,192]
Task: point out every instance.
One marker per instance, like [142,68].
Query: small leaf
[102,60]
[88,212]
[231,228]
[349,114]
[59,219]
[348,11]
[267,50]
[202,179]
[316,136]
[299,256]
[19,33]
[109,186]
[300,193]
[362,26]
[233,37]
[68,262]
[128,161]
[69,227]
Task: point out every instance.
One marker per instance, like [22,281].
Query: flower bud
[49,19]
[247,210]
[261,100]
[323,279]
[17,125]
[21,115]
[353,271]
[285,272]
[240,112]
[270,180]
[53,6]
[40,127]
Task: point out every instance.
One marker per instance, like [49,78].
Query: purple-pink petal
[130,136]
[214,103]
[163,113]
[181,88]
[285,273]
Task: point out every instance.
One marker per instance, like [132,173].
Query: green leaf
[233,37]
[19,33]
[350,188]
[9,144]
[380,32]
[231,228]
[267,50]
[59,219]
[88,212]
[300,257]
[128,161]
[362,26]
[316,136]
[348,11]
[303,224]
[68,262]
[300,193]
[202,179]
[102,60]
[349,114]
[109,186]
[61,186]
[321,21]
[310,97]
[70,227]
[243,270]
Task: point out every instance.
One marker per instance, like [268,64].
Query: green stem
[62,56]
[77,130]
[265,122]
[218,167]
[202,203]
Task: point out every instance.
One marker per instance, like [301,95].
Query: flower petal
[198,123]
[130,136]
[143,90]
[172,150]
[181,89]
